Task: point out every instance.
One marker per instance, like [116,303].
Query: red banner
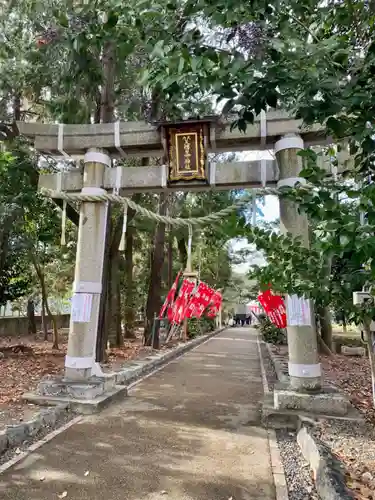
[170,297]
[199,301]
[274,307]
[178,311]
[215,305]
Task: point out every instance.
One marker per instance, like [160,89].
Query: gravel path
[297,471]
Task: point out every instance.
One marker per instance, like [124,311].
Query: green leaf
[181,65]
[194,64]
[271,99]
[228,106]
[112,20]
[248,116]
[336,126]
[158,49]
[63,20]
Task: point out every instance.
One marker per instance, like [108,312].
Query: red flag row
[191,301]
[170,297]
[274,307]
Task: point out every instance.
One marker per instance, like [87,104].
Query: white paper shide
[81,307]
[298,311]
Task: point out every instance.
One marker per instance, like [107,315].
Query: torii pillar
[304,366]
[87,288]
[304,392]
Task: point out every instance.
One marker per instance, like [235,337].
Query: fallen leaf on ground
[87,473]
[22,371]
[64,494]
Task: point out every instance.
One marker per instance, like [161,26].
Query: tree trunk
[40,274]
[106,116]
[44,321]
[31,324]
[129,286]
[113,323]
[154,291]
[371,353]
[107,95]
[55,332]
[101,338]
[325,325]
[170,260]
[182,251]
[17,107]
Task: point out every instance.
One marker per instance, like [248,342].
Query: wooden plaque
[186,152]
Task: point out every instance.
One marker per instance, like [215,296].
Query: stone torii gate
[183,147]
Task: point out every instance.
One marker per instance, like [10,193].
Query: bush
[270,332]
[200,326]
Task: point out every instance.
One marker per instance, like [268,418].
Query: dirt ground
[21,371]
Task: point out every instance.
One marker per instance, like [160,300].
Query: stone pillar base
[328,401]
[86,397]
[85,389]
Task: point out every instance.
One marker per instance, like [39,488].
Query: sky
[270,210]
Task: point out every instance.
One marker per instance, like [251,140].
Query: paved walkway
[189,432]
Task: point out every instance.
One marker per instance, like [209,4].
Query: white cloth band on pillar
[60,140]
[292,142]
[93,190]
[291,182]
[263,128]
[163,175]
[87,287]
[212,179]
[304,371]
[80,363]
[117,139]
[97,157]
[263,172]
[118,180]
